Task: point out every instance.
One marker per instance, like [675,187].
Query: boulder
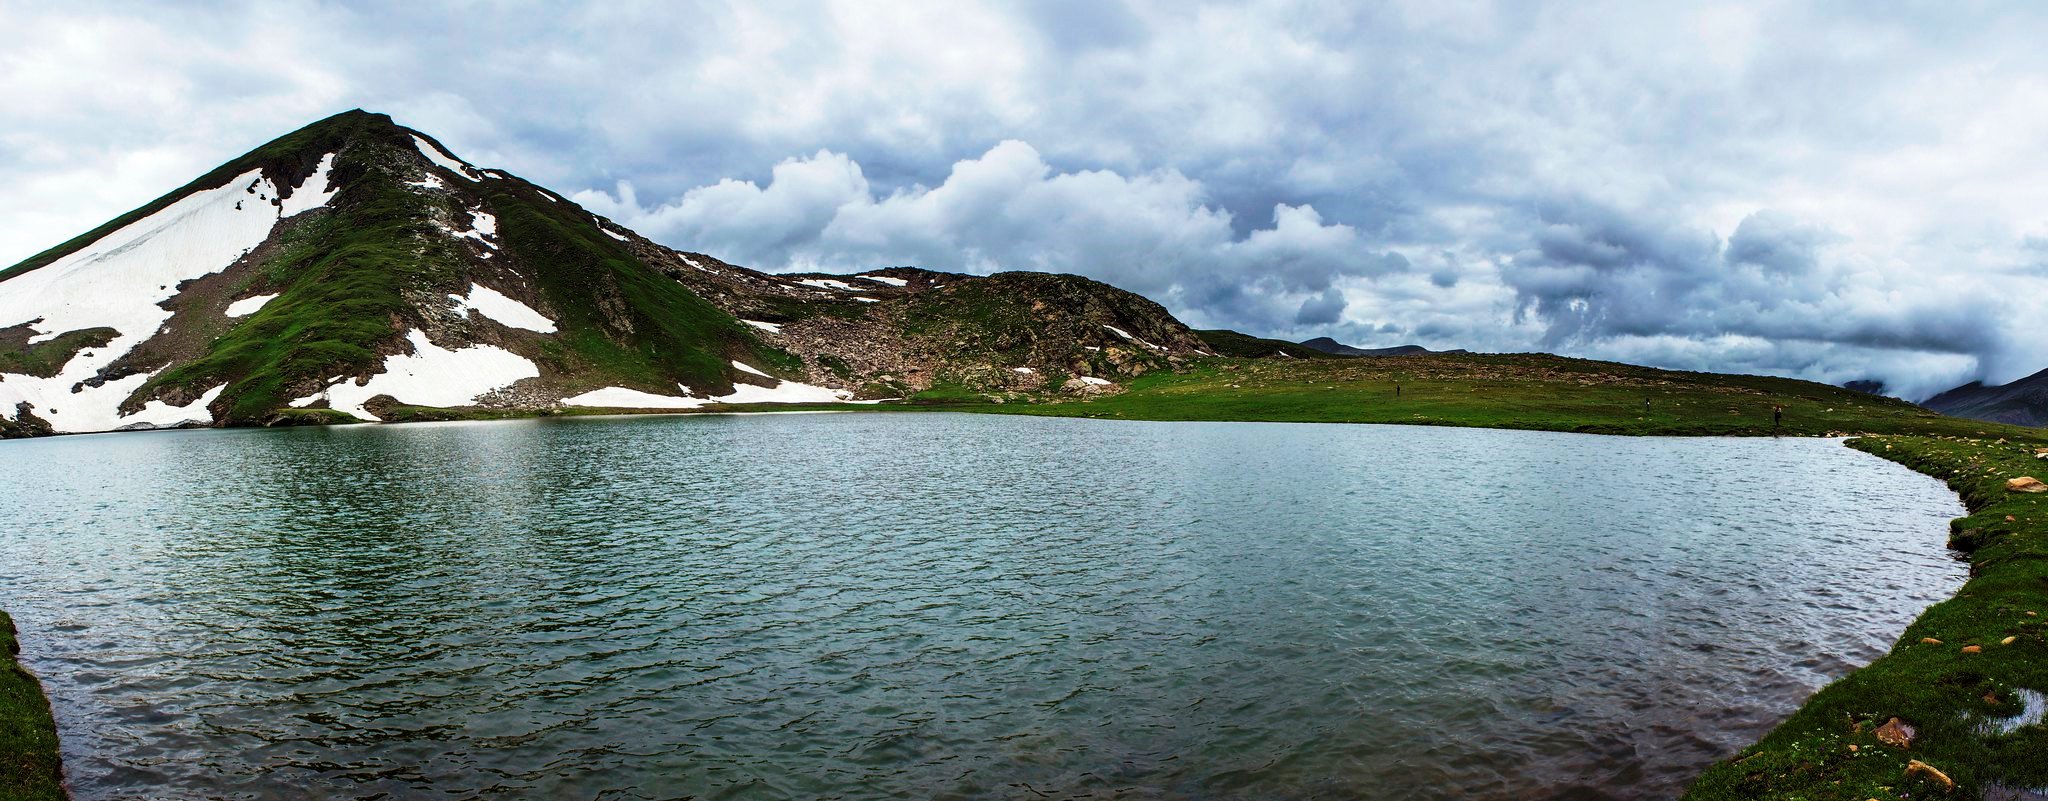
[1896,733]
[2025,484]
[1089,385]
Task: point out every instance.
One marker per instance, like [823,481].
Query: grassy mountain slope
[1225,342]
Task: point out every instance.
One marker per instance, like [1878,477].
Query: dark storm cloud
[1775,242]
[1322,309]
[1812,189]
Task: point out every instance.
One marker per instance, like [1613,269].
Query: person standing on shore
[1777,418]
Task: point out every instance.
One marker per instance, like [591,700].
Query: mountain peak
[357,269]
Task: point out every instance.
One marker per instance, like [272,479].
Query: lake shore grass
[29,764]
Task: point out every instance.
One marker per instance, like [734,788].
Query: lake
[943,606]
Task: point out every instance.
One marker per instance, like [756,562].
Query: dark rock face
[1868,386]
[23,423]
[2023,402]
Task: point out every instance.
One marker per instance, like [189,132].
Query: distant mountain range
[1335,348]
[2023,402]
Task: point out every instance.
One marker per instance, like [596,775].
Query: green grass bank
[29,766]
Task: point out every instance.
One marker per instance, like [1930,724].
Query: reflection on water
[942,606]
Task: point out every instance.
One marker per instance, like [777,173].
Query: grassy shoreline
[1830,748]
[30,769]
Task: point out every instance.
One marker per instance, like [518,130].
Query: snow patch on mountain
[771,328]
[883,279]
[310,194]
[249,305]
[1128,338]
[158,414]
[623,398]
[434,376]
[482,226]
[782,392]
[71,407]
[495,305]
[444,160]
[827,283]
[121,281]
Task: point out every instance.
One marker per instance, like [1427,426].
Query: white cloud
[1008,209]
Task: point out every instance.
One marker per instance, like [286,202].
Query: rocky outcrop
[902,330]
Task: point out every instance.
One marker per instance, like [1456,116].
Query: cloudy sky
[1815,190]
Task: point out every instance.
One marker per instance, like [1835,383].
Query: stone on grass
[1896,733]
[2025,484]
[1916,767]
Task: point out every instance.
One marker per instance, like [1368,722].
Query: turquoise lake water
[942,606]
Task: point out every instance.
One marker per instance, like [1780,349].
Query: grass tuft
[30,769]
